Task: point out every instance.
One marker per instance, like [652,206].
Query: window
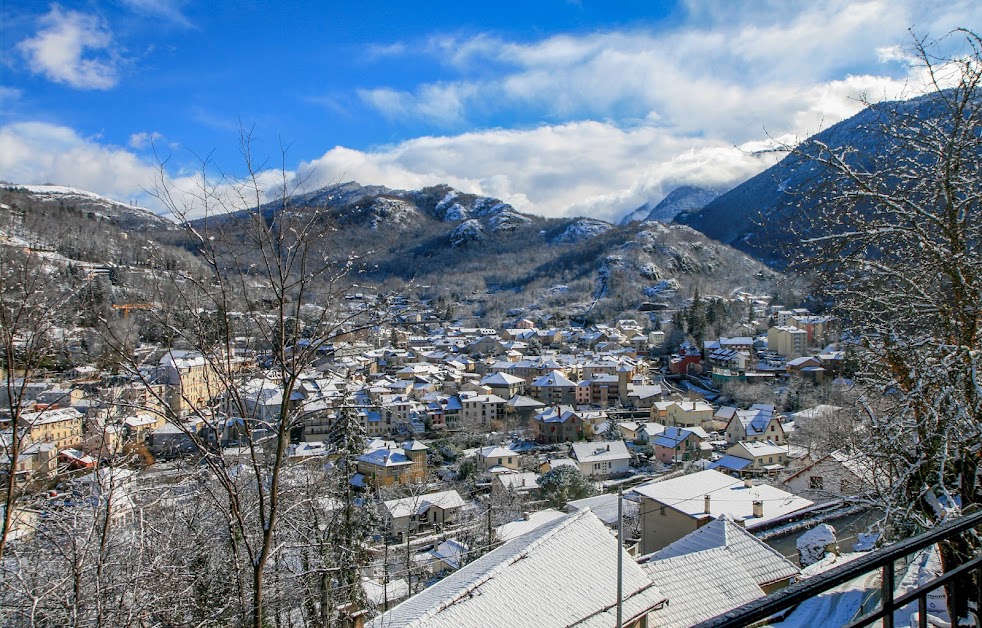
[770,459]
[816,483]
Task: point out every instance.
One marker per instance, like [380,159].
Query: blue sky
[558,107]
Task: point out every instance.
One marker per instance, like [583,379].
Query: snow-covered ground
[842,604]
[836,607]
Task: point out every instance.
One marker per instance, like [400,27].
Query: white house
[601,459]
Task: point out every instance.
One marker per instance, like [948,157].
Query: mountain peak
[685,198]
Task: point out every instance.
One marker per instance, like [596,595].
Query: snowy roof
[519,401]
[604,451]
[377,593]
[515,529]
[699,586]
[386,458]
[450,551]
[671,436]
[495,452]
[765,564]
[501,379]
[518,482]
[693,406]
[727,494]
[180,358]
[605,507]
[758,448]
[554,379]
[50,415]
[504,587]
[418,504]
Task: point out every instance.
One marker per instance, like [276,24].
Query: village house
[553,388]
[516,483]
[496,459]
[838,474]
[482,410]
[670,509]
[431,509]
[680,444]
[191,381]
[787,341]
[389,465]
[504,385]
[753,457]
[817,328]
[689,414]
[601,459]
[61,427]
[687,360]
[557,425]
[759,423]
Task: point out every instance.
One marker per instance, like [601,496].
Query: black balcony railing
[884,559]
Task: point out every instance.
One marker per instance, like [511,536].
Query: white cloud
[9,95]
[144,139]
[443,104]
[39,152]
[171,10]
[730,71]
[72,48]
[589,167]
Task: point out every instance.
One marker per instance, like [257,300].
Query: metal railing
[884,559]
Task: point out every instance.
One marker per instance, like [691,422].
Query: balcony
[884,561]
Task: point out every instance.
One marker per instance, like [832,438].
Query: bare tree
[895,246]
[34,299]
[252,327]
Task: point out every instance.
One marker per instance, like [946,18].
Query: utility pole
[620,556]
[490,529]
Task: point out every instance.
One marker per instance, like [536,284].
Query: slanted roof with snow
[419,504]
[756,449]
[450,552]
[506,586]
[671,436]
[765,564]
[519,401]
[554,379]
[386,458]
[727,495]
[501,379]
[699,586]
[605,507]
[601,451]
[518,527]
[518,482]
[495,452]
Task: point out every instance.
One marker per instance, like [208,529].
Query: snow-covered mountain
[476,251]
[685,198]
[762,212]
[124,215]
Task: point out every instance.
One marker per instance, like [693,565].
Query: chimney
[705,507]
[747,483]
[526,516]
[758,508]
